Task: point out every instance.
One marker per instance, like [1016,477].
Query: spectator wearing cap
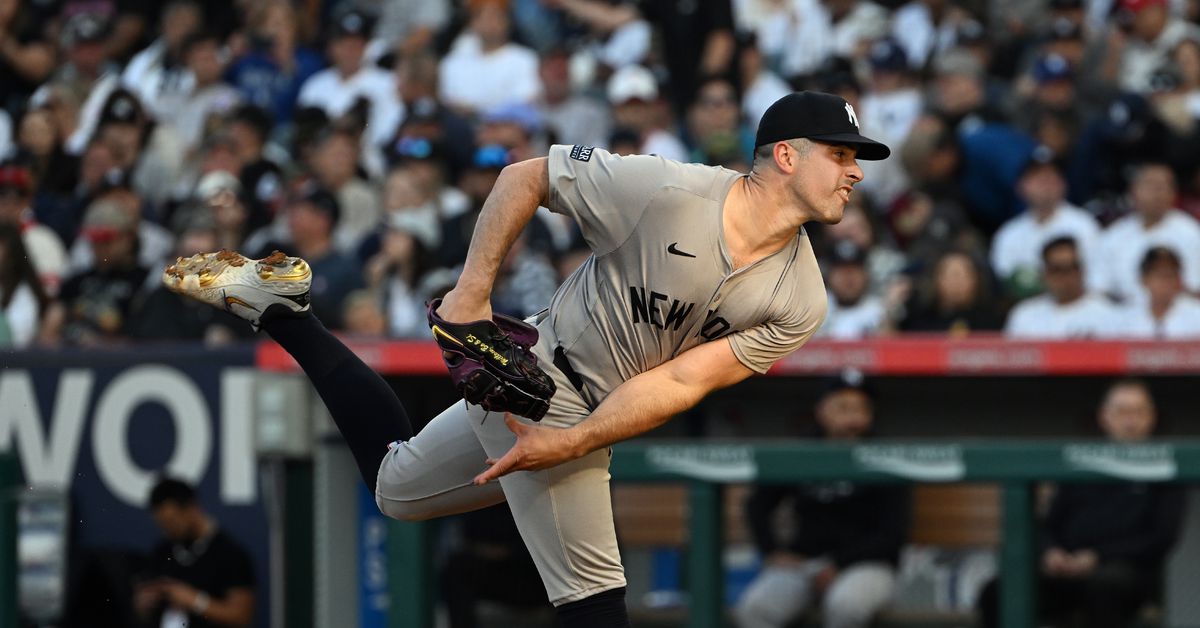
[516,126]
[154,242]
[853,312]
[152,153]
[1169,312]
[633,94]
[312,215]
[1142,42]
[484,67]
[350,79]
[97,303]
[26,58]
[425,116]
[476,182]
[1017,248]
[416,188]
[1067,309]
[1153,222]
[158,75]
[43,245]
[861,227]
[890,105]
[261,177]
[334,163]
[88,76]
[407,27]
[843,557]
[571,117]
[270,73]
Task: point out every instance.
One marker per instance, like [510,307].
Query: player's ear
[786,157]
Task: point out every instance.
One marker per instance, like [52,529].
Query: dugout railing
[707,467]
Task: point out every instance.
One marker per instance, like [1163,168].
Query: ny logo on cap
[853,116]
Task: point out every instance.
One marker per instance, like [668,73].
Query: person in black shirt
[847,536]
[199,577]
[1104,545]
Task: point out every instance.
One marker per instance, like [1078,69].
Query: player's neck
[756,223]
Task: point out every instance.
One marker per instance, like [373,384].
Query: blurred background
[965,413]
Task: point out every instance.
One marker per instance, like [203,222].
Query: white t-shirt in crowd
[861,320]
[1041,317]
[22,315]
[1181,321]
[1125,242]
[1019,242]
[336,94]
[475,80]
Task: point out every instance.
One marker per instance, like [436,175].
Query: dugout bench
[708,466]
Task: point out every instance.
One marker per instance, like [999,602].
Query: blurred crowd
[1045,180]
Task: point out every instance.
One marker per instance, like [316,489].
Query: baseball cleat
[242,286]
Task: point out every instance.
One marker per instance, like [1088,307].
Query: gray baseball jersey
[660,280]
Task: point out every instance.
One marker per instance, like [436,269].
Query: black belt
[564,365]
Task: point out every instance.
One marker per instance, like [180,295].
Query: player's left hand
[537,447]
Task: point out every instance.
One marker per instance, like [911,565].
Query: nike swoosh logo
[236,301]
[674,251]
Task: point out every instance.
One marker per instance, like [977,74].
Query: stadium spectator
[406,27]
[843,552]
[760,86]
[153,154]
[1153,221]
[633,93]
[1145,33]
[1067,310]
[890,105]
[198,575]
[311,216]
[209,96]
[351,79]
[159,75]
[615,37]
[956,298]
[394,272]
[97,302]
[819,30]
[860,226]
[155,242]
[853,312]
[26,58]
[485,68]
[261,176]
[45,250]
[715,126]
[425,116]
[23,300]
[1105,545]
[571,117]
[88,75]
[270,72]
[1018,247]
[40,146]
[1169,312]
[363,314]
[927,29]
[335,166]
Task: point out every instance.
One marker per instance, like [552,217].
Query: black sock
[363,406]
[602,610]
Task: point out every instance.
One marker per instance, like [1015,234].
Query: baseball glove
[492,364]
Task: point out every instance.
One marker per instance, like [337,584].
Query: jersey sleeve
[604,193]
[763,345]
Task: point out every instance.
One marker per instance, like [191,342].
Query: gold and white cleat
[241,286]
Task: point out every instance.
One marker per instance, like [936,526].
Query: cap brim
[868,149]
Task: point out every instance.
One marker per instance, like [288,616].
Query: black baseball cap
[817,116]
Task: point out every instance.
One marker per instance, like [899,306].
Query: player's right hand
[462,306]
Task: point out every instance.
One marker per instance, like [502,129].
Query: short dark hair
[1160,255]
[1057,242]
[172,490]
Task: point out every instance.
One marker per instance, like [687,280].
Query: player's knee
[404,510]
